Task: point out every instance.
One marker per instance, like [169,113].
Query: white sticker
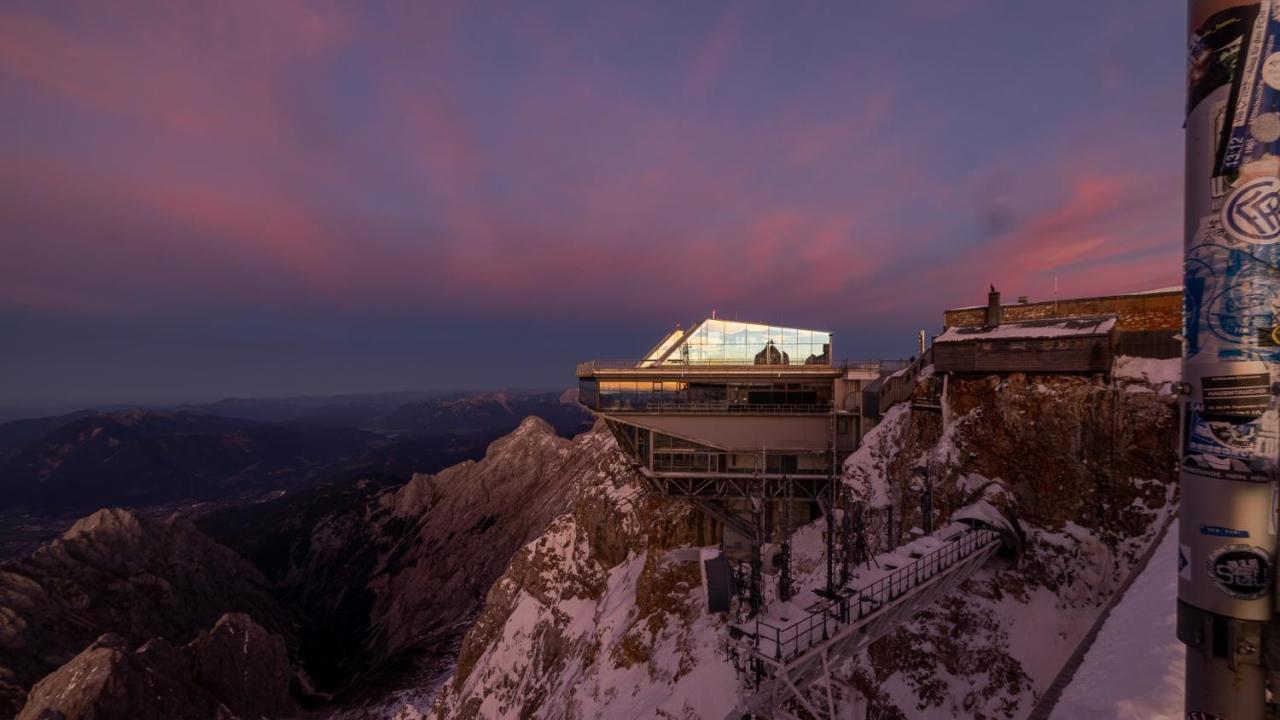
[1265,127]
[1271,70]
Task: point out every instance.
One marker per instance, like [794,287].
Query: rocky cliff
[1088,466]
[235,670]
[388,577]
[604,614]
[138,578]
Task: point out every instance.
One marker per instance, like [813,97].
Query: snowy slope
[1133,671]
[605,615]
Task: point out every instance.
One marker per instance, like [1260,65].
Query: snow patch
[1134,669]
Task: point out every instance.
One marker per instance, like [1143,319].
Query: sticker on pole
[1252,213]
[1241,571]
[1242,396]
[1219,531]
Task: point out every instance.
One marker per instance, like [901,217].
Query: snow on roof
[1055,327]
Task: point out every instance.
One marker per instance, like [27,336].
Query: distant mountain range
[246,448]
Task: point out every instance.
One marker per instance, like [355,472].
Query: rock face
[1089,468]
[389,576]
[597,618]
[138,578]
[594,619]
[235,670]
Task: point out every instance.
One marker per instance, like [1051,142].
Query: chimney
[993,307]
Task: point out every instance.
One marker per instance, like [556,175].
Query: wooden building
[1053,345]
[1148,324]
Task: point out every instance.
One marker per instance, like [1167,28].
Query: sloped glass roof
[661,348]
[729,342]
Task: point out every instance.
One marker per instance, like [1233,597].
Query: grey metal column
[1227,533]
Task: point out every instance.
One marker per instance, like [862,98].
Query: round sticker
[1265,128]
[1252,213]
[1241,571]
[1271,70]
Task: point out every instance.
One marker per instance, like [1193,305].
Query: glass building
[724,402]
[728,342]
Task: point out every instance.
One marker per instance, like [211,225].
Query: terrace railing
[739,408]
[591,367]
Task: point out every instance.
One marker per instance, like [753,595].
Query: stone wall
[1148,311]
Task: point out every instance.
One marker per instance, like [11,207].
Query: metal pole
[757,501]
[1229,449]
[784,575]
[928,499]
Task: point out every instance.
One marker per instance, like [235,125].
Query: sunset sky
[273,198]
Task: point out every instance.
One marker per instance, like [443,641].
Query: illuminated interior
[728,342]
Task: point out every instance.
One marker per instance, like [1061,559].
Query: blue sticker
[1219,531]
[1222,438]
[1231,306]
[1252,213]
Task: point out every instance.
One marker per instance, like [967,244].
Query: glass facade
[641,395]
[661,348]
[727,342]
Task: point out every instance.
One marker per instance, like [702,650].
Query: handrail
[727,407]
[824,617]
[588,367]
[899,387]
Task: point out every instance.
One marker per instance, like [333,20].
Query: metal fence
[822,619]
[888,391]
[745,408]
[590,367]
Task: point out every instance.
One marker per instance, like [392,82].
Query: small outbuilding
[1052,345]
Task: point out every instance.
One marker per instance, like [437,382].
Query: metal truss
[724,487]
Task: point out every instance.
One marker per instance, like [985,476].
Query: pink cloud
[205,71]
[715,53]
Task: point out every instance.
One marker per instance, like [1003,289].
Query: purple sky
[270,198]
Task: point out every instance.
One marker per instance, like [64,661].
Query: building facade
[728,411]
[1156,310]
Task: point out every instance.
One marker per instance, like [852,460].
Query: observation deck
[635,367]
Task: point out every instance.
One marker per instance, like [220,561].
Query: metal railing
[590,367]
[823,618]
[728,407]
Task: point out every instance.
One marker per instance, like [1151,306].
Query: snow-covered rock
[596,618]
